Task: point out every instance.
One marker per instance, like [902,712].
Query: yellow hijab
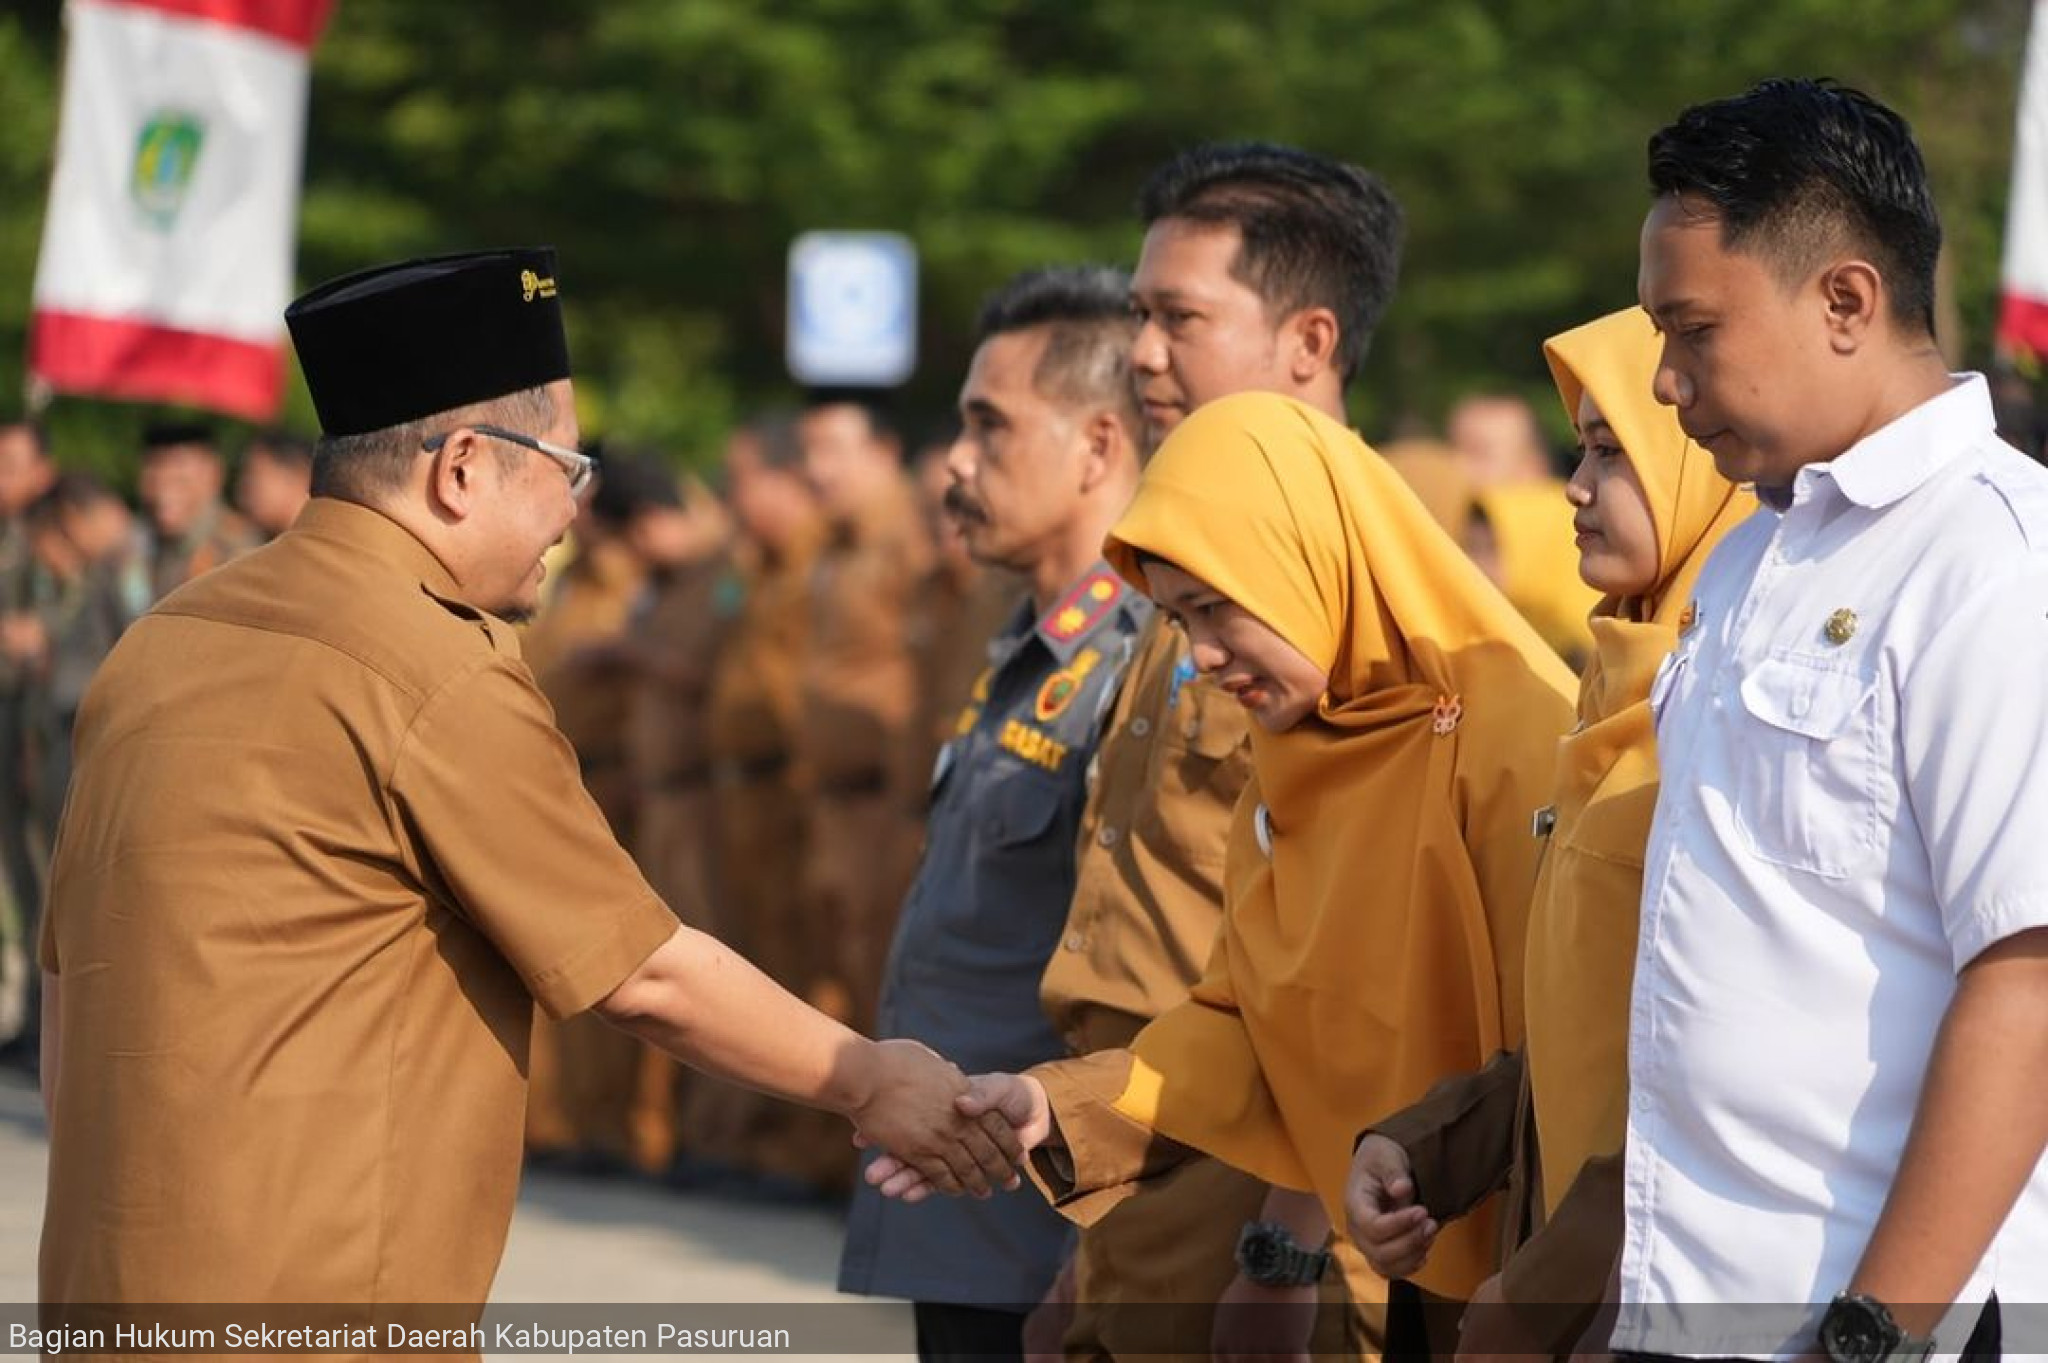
[1582,929]
[1378,947]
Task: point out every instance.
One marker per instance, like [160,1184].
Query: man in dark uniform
[1047,459]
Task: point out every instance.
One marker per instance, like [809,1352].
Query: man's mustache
[962,507]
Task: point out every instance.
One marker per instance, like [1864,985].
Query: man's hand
[1013,1105]
[915,1110]
[1254,1322]
[1387,1223]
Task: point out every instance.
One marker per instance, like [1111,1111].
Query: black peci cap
[400,342]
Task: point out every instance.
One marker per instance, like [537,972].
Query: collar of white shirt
[1899,458]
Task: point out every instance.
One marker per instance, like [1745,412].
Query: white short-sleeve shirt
[1853,734]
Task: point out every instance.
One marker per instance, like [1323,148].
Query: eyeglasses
[579,467]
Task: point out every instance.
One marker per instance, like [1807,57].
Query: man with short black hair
[1046,460]
[1840,1016]
[1263,268]
[326,848]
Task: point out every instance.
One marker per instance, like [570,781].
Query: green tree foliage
[672,148]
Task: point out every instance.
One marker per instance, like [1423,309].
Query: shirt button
[1075,941]
[1106,837]
[1140,727]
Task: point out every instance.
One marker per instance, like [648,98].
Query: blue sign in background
[852,308]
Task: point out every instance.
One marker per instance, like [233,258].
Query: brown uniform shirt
[592,699]
[677,631]
[860,678]
[324,850]
[757,676]
[1149,895]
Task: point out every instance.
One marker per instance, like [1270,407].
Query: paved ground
[573,1240]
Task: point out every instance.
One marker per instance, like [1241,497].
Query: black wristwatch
[1858,1329]
[1268,1254]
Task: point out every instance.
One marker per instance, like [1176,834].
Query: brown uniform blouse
[324,850]
[1149,894]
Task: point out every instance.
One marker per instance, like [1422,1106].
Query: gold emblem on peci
[1841,626]
[532,286]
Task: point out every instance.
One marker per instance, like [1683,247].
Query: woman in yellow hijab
[1380,865]
[1649,507]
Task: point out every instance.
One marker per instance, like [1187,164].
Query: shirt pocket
[1022,848]
[1204,763]
[1807,773]
[1017,812]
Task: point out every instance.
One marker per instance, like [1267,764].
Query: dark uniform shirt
[981,920]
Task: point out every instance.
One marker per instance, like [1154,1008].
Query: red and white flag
[2023,314]
[167,253]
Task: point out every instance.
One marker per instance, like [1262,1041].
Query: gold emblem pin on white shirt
[1841,626]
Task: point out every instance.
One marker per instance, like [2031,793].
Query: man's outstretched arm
[703,1003]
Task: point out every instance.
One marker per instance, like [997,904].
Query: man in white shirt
[1839,1030]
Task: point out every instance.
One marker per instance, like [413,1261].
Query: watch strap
[1293,1264]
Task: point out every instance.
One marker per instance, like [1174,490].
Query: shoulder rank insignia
[1083,607]
[1062,686]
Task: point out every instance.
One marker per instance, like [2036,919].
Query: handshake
[940,1131]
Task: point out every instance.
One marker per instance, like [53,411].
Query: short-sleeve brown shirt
[324,850]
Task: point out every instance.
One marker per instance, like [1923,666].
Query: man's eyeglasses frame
[581,468]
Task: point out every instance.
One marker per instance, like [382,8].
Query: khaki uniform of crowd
[761,736]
